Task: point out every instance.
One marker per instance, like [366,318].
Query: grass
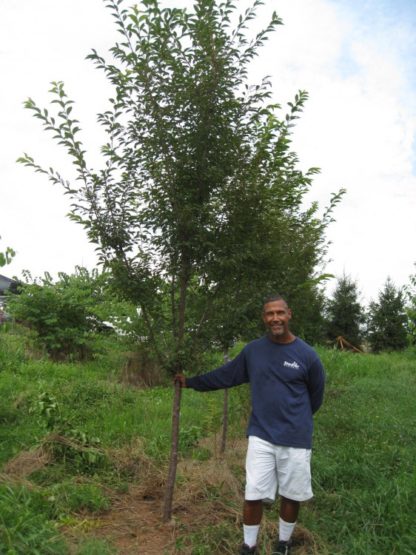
[72,413]
[364,456]
[26,523]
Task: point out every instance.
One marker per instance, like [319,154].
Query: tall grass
[364,455]
[26,523]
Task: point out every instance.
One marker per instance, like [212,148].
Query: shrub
[64,316]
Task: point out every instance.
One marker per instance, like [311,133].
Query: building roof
[5,283]
[5,279]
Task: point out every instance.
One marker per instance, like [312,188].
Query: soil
[134,525]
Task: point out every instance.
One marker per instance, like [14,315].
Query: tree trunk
[170,485]
[183,290]
[224,423]
[224,414]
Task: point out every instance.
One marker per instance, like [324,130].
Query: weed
[12,353]
[217,538]
[77,449]
[25,526]
[68,443]
[189,437]
[95,546]
[78,498]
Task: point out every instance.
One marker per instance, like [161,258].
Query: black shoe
[246,550]
[281,548]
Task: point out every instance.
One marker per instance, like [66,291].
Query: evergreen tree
[345,315]
[410,293]
[387,320]
[308,308]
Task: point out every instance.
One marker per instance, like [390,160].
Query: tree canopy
[199,206]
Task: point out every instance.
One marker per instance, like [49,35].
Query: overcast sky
[356,59]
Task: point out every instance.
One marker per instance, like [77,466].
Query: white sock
[285,530]
[250,534]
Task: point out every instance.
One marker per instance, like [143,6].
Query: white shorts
[270,466]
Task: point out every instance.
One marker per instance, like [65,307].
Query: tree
[6,256]
[308,309]
[345,314]
[199,200]
[410,295]
[387,320]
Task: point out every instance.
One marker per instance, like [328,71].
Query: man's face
[276,317]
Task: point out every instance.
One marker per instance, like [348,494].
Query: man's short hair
[272,298]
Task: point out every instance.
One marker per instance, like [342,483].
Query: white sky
[357,60]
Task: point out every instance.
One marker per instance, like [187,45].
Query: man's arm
[316,384]
[229,375]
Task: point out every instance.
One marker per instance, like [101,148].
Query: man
[287,384]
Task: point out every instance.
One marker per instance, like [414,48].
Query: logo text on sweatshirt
[291,364]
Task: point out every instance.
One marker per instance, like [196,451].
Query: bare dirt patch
[134,525]
[207,494]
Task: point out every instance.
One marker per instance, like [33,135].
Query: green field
[84,457]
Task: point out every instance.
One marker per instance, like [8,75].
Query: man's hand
[180,378]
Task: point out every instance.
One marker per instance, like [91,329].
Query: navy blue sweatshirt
[287,386]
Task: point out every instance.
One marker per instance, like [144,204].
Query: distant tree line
[65,315]
[387,324]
